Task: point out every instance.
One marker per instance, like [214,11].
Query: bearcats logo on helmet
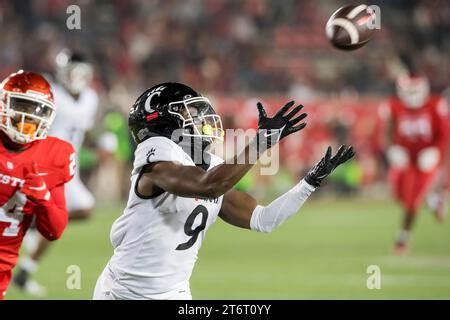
[149,104]
[162,109]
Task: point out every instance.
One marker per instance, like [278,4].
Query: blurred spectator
[235,50]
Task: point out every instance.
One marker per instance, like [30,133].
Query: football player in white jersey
[77,105]
[173,199]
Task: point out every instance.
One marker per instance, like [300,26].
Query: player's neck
[75,96]
[11,146]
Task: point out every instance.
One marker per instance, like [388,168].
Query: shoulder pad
[157,149]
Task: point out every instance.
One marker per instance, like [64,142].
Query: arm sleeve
[52,217]
[268,218]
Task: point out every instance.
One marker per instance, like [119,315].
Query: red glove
[35,187]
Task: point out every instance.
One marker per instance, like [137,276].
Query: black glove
[327,164]
[272,130]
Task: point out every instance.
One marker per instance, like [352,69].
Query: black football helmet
[171,108]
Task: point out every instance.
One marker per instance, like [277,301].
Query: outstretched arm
[190,181]
[241,210]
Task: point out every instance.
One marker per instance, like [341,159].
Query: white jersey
[156,240]
[73,117]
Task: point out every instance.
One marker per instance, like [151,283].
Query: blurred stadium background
[236,52]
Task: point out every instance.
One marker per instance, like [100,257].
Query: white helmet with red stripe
[27,107]
[414,91]
[73,71]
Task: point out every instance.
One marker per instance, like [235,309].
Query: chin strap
[12,145]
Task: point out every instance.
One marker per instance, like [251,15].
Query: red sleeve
[66,161]
[52,218]
[442,132]
[62,162]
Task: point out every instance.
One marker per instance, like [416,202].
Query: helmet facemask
[25,117]
[199,120]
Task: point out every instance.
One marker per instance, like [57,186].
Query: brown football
[349,27]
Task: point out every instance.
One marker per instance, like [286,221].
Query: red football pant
[5,277]
[410,185]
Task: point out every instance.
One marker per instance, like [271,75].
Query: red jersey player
[33,167]
[418,132]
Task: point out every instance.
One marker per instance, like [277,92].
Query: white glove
[428,159]
[398,157]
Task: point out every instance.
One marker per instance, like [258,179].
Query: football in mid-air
[350,27]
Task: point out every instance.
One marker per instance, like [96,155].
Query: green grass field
[322,253]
